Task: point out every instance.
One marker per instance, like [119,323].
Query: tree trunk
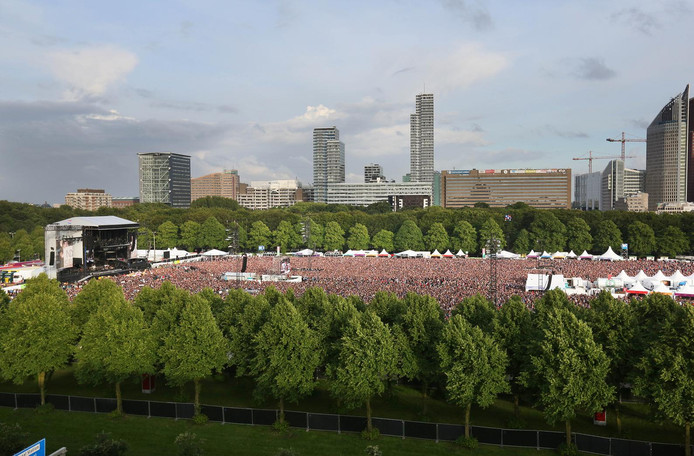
[687,439]
[467,421]
[281,410]
[425,389]
[197,395]
[619,419]
[516,406]
[568,432]
[42,387]
[368,416]
[119,401]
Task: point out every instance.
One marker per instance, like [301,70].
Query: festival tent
[214,253]
[637,288]
[623,275]
[662,289]
[557,281]
[372,253]
[685,290]
[659,276]
[406,254]
[586,256]
[384,254]
[677,278]
[532,254]
[448,254]
[348,253]
[545,255]
[559,255]
[436,254]
[609,255]
[536,282]
[572,255]
[506,255]
[461,254]
[305,252]
[359,253]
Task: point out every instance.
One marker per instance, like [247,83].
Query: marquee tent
[637,288]
[506,255]
[461,254]
[586,256]
[572,255]
[609,255]
[448,254]
[532,254]
[545,255]
[214,253]
[436,254]
[384,254]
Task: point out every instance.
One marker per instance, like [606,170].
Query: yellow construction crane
[624,141]
[591,157]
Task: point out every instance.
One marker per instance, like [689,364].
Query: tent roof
[214,252]
[102,221]
[641,275]
[585,254]
[609,255]
[461,253]
[637,288]
[436,253]
[384,253]
[686,290]
[571,255]
[661,288]
[677,277]
[545,255]
[623,275]
[448,254]
[507,255]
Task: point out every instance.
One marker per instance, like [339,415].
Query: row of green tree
[563,358]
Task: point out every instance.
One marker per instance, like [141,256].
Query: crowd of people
[447,280]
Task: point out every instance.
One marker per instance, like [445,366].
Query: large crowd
[447,280]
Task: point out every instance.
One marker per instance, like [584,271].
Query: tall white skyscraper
[328,161]
[422,140]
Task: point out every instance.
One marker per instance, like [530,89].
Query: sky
[85,86]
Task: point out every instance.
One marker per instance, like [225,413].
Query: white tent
[557,281]
[571,255]
[461,254]
[623,275]
[506,255]
[532,254]
[677,278]
[305,252]
[637,288]
[406,254]
[214,253]
[662,289]
[640,276]
[384,254]
[559,255]
[448,254]
[436,254]
[586,256]
[609,255]
[545,255]
[536,282]
[659,276]
[348,253]
[372,253]
[685,290]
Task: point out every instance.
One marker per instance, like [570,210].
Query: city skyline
[243,84]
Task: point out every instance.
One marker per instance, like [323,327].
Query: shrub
[373,435]
[469,443]
[373,450]
[189,444]
[281,426]
[45,408]
[200,418]
[104,446]
[12,439]
[568,450]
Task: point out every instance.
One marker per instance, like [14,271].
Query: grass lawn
[154,436]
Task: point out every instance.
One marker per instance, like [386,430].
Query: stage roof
[104,221]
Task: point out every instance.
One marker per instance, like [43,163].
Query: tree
[409,237]
[607,235]
[547,232]
[258,235]
[115,345]
[287,355]
[190,235]
[4,300]
[286,236]
[36,338]
[366,359]
[465,237]
[578,235]
[474,366]
[383,240]
[94,295]
[641,238]
[215,201]
[478,311]
[672,242]
[213,234]
[358,237]
[491,229]
[242,319]
[437,238]
[568,368]
[194,347]
[314,237]
[167,235]
[104,444]
[334,237]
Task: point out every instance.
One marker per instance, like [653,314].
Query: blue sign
[261,247]
[37,449]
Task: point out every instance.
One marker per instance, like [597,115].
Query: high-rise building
[422,139]
[89,199]
[364,194]
[373,172]
[260,195]
[224,184]
[328,161]
[587,191]
[618,182]
[668,154]
[165,178]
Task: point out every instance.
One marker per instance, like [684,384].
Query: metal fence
[346,423]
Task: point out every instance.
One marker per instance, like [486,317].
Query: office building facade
[165,178]
[668,153]
[373,172]
[587,191]
[363,194]
[224,184]
[618,182]
[261,195]
[540,188]
[328,161]
[422,140]
[88,199]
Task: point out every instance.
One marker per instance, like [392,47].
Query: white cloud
[462,137]
[91,71]
[463,67]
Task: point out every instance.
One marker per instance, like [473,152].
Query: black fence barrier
[184,411]
[630,448]
[591,443]
[667,449]
[105,405]
[266,417]
[550,439]
[352,423]
[238,415]
[162,409]
[388,427]
[323,422]
[488,435]
[59,402]
[450,432]
[28,400]
[297,419]
[418,430]
[516,437]
[131,407]
[82,404]
[213,412]
[7,400]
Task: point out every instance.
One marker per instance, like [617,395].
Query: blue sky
[85,86]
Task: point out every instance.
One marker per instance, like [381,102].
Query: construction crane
[624,141]
[591,157]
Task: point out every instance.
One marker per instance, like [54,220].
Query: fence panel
[297,419]
[238,415]
[184,411]
[323,422]
[28,400]
[488,435]
[519,438]
[387,426]
[132,407]
[450,431]
[630,448]
[105,405]
[352,423]
[592,443]
[7,400]
[267,417]
[82,404]
[551,439]
[162,409]
[666,449]
[213,412]
[418,430]
[59,402]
